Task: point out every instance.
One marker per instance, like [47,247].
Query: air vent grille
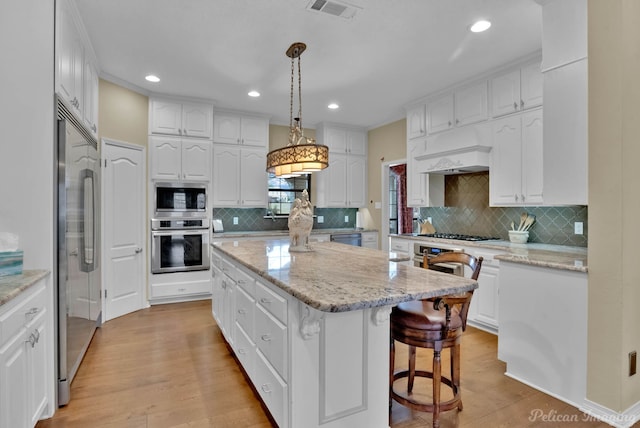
[334,8]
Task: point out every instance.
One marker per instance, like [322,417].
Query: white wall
[27,127]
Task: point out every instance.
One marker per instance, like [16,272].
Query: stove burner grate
[457,236]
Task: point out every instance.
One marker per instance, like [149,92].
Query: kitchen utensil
[528,222]
[523,217]
[518,236]
[513,226]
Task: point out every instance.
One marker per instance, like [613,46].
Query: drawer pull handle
[31,340]
[266,301]
[265,388]
[242,312]
[266,337]
[32,311]
[182,289]
[241,351]
[36,334]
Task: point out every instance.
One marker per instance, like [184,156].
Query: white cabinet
[76,71]
[516,90]
[26,357]
[466,105]
[564,32]
[483,311]
[370,240]
[515,176]
[423,190]
[471,104]
[176,117]
[180,159]
[344,182]
[402,247]
[416,122]
[239,176]
[240,129]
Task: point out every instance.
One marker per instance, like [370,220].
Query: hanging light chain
[291,98]
[299,95]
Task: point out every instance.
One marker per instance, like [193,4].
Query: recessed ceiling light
[480,26]
[333,106]
[152,78]
[254,94]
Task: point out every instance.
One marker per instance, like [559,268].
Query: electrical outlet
[632,363]
[577,228]
[320,219]
[235,220]
[346,219]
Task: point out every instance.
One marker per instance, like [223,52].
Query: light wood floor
[168,366]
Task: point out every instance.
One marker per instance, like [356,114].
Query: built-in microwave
[180,199]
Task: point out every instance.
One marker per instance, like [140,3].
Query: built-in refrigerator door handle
[88,245]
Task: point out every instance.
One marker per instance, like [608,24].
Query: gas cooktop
[456,236]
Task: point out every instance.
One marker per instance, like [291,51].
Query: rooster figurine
[300,224]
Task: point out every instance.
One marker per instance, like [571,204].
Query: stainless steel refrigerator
[79,304]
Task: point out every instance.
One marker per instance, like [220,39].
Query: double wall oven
[180,228]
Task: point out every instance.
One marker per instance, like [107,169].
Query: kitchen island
[311,330]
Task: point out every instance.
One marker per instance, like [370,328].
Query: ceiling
[389,54]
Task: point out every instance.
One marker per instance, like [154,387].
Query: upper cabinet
[515,176]
[516,90]
[416,122]
[463,106]
[229,128]
[564,32]
[179,159]
[176,117]
[343,184]
[239,176]
[423,190]
[76,71]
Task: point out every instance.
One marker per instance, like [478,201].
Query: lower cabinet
[26,357]
[483,312]
[180,286]
[370,240]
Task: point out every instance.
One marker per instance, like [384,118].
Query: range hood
[457,151]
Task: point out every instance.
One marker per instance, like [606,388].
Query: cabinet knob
[264,300]
[179,131]
[457,121]
[266,337]
[515,105]
[266,388]
[449,123]
[522,197]
[31,340]
[184,131]
[138,250]
[516,197]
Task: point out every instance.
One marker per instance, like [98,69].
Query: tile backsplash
[467,211]
[252,219]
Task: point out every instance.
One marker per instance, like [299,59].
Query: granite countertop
[339,278]
[12,285]
[544,255]
[260,233]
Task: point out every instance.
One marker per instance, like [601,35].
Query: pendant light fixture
[301,155]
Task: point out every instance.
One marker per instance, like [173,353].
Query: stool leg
[392,359]
[436,387]
[412,368]
[455,372]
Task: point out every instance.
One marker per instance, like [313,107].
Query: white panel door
[226,176]
[253,182]
[505,177]
[124,228]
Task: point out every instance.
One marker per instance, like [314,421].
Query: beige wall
[614,151]
[123,114]
[387,143]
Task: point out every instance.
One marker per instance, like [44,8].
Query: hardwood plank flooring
[168,366]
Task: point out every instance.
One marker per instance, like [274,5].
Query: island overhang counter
[311,329]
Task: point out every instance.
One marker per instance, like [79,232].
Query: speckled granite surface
[339,278]
[12,285]
[551,256]
[269,233]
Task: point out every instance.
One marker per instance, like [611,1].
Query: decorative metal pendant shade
[301,155]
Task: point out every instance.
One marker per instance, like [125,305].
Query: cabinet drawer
[23,310]
[229,269]
[272,390]
[216,260]
[245,308]
[400,245]
[271,339]
[272,302]
[245,350]
[170,290]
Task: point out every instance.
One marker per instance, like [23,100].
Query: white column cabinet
[26,356]
[180,159]
[240,129]
[516,90]
[239,177]
[515,176]
[177,117]
[344,183]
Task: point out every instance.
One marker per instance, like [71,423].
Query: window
[283,191]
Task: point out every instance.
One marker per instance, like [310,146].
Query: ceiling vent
[335,8]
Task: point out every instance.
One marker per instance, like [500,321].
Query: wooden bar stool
[436,324]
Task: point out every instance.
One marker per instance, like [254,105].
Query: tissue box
[10,262]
